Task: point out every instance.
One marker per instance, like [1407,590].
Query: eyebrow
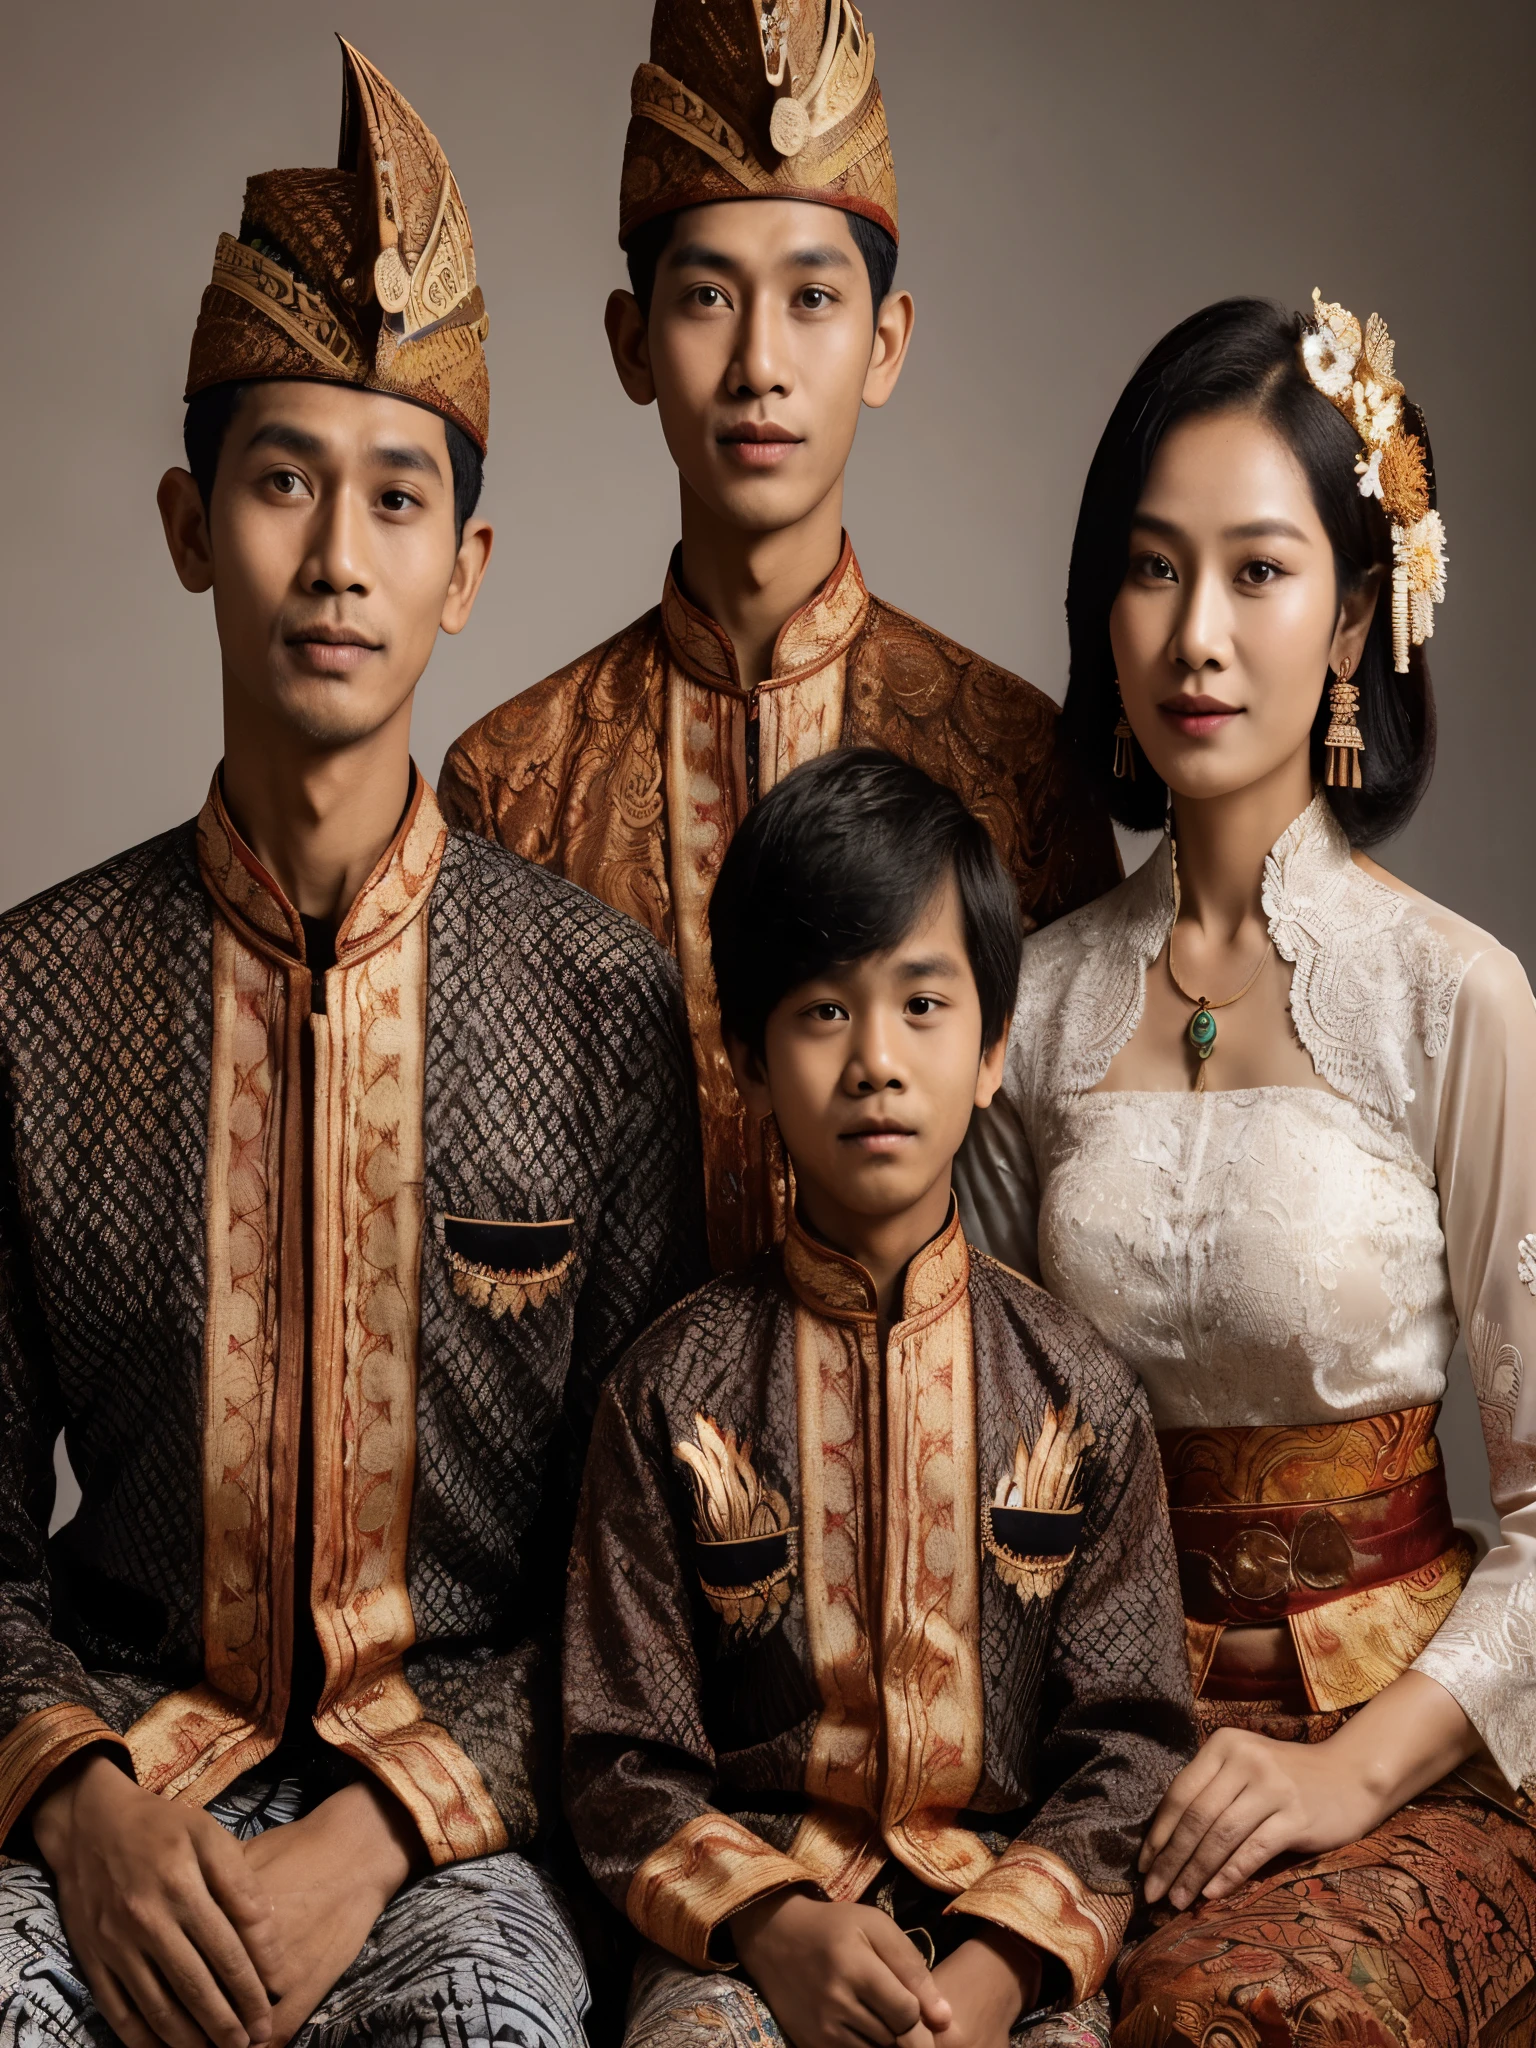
[293,440]
[925,969]
[1253,529]
[699,256]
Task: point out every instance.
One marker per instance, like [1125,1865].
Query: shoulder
[601,683]
[106,905]
[918,660]
[505,905]
[700,1338]
[1063,1339]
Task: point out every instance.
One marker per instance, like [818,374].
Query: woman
[1270,1121]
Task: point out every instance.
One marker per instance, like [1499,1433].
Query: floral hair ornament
[1353,369]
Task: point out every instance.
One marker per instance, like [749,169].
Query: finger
[915,2037]
[219,1945]
[113,2004]
[1194,1823]
[903,1959]
[1266,1841]
[1188,1785]
[246,1907]
[193,1986]
[155,2004]
[1227,1833]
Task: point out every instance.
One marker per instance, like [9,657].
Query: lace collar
[824,627]
[396,891]
[1370,973]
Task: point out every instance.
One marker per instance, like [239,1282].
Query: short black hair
[647,245]
[1245,355]
[207,422]
[839,861]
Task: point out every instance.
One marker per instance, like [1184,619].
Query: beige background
[1074,178]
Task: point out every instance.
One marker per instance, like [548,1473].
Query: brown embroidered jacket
[502,1196]
[630,770]
[828,1609]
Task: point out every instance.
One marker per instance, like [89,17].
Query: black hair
[839,861]
[648,244]
[207,422]
[1244,354]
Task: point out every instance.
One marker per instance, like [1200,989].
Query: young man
[322,1214]
[874,1671]
[758,330]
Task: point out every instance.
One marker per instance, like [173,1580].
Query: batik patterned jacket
[503,1182]
[828,1609]
[630,771]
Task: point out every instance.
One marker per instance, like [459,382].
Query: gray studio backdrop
[1074,178]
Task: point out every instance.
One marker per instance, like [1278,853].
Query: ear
[989,1076]
[186,529]
[469,569]
[627,339]
[751,1076]
[893,335]
[1356,612]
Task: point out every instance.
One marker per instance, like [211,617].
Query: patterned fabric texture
[675,2007]
[630,770]
[480,1952]
[1421,1936]
[530,1112]
[863,1674]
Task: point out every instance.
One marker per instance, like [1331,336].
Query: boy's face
[761,346]
[873,1070]
[331,553]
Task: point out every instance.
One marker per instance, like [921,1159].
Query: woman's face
[1230,615]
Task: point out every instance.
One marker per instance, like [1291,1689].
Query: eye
[815,297]
[827,1013]
[923,1006]
[397,501]
[1259,573]
[709,296]
[287,482]
[1157,568]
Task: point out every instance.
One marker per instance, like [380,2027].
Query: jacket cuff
[699,1877]
[1043,1900]
[35,1748]
[435,1781]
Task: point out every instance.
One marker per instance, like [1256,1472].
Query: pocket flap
[746,1562]
[520,1248]
[1035,1532]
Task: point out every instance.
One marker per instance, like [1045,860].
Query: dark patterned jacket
[503,1183]
[830,1611]
[630,770]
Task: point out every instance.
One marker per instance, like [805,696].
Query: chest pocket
[745,1547]
[507,1267]
[1030,1526]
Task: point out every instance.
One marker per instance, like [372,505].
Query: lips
[878,1138]
[331,650]
[1198,717]
[758,444]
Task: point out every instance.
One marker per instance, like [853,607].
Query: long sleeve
[640,1773]
[1116,1719]
[47,1709]
[1485,1164]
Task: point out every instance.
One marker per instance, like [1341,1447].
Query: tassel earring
[1125,759]
[1344,742]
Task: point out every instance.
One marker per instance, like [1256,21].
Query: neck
[317,817]
[883,1245]
[750,583]
[1223,842]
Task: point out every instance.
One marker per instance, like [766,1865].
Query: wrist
[382,1841]
[52,1811]
[1005,1965]
[752,1922]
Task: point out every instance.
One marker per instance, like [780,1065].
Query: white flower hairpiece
[1354,369]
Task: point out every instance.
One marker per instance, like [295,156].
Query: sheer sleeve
[1485,1165]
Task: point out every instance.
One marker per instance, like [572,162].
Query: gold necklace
[1202,1026]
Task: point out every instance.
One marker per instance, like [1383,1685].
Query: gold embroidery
[699,1877]
[1044,1482]
[506,1293]
[1044,1900]
[735,1507]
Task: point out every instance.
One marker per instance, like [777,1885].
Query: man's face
[331,552]
[872,1071]
[762,343]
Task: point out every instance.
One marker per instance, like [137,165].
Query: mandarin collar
[831,1284]
[824,628]
[395,892]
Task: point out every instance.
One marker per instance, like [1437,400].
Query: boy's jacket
[496,1189]
[828,1610]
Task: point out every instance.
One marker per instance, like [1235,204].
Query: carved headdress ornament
[364,275]
[757,99]
[1354,369]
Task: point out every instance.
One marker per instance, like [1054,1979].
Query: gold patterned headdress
[1354,369]
[364,275]
[757,99]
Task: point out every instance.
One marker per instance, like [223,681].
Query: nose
[759,365]
[873,1066]
[337,556]
[1202,636]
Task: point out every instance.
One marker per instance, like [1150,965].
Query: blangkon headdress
[757,99]
[1354,368]
[364,275]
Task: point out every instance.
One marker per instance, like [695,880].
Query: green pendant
[1202,1032]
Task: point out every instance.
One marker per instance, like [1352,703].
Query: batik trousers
[479,1952]
[1423,1935]
[675,2007]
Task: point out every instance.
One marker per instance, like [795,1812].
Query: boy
[758,215]
[322,1215]
[874,1668]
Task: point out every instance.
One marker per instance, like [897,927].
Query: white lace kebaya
[1300,1255]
